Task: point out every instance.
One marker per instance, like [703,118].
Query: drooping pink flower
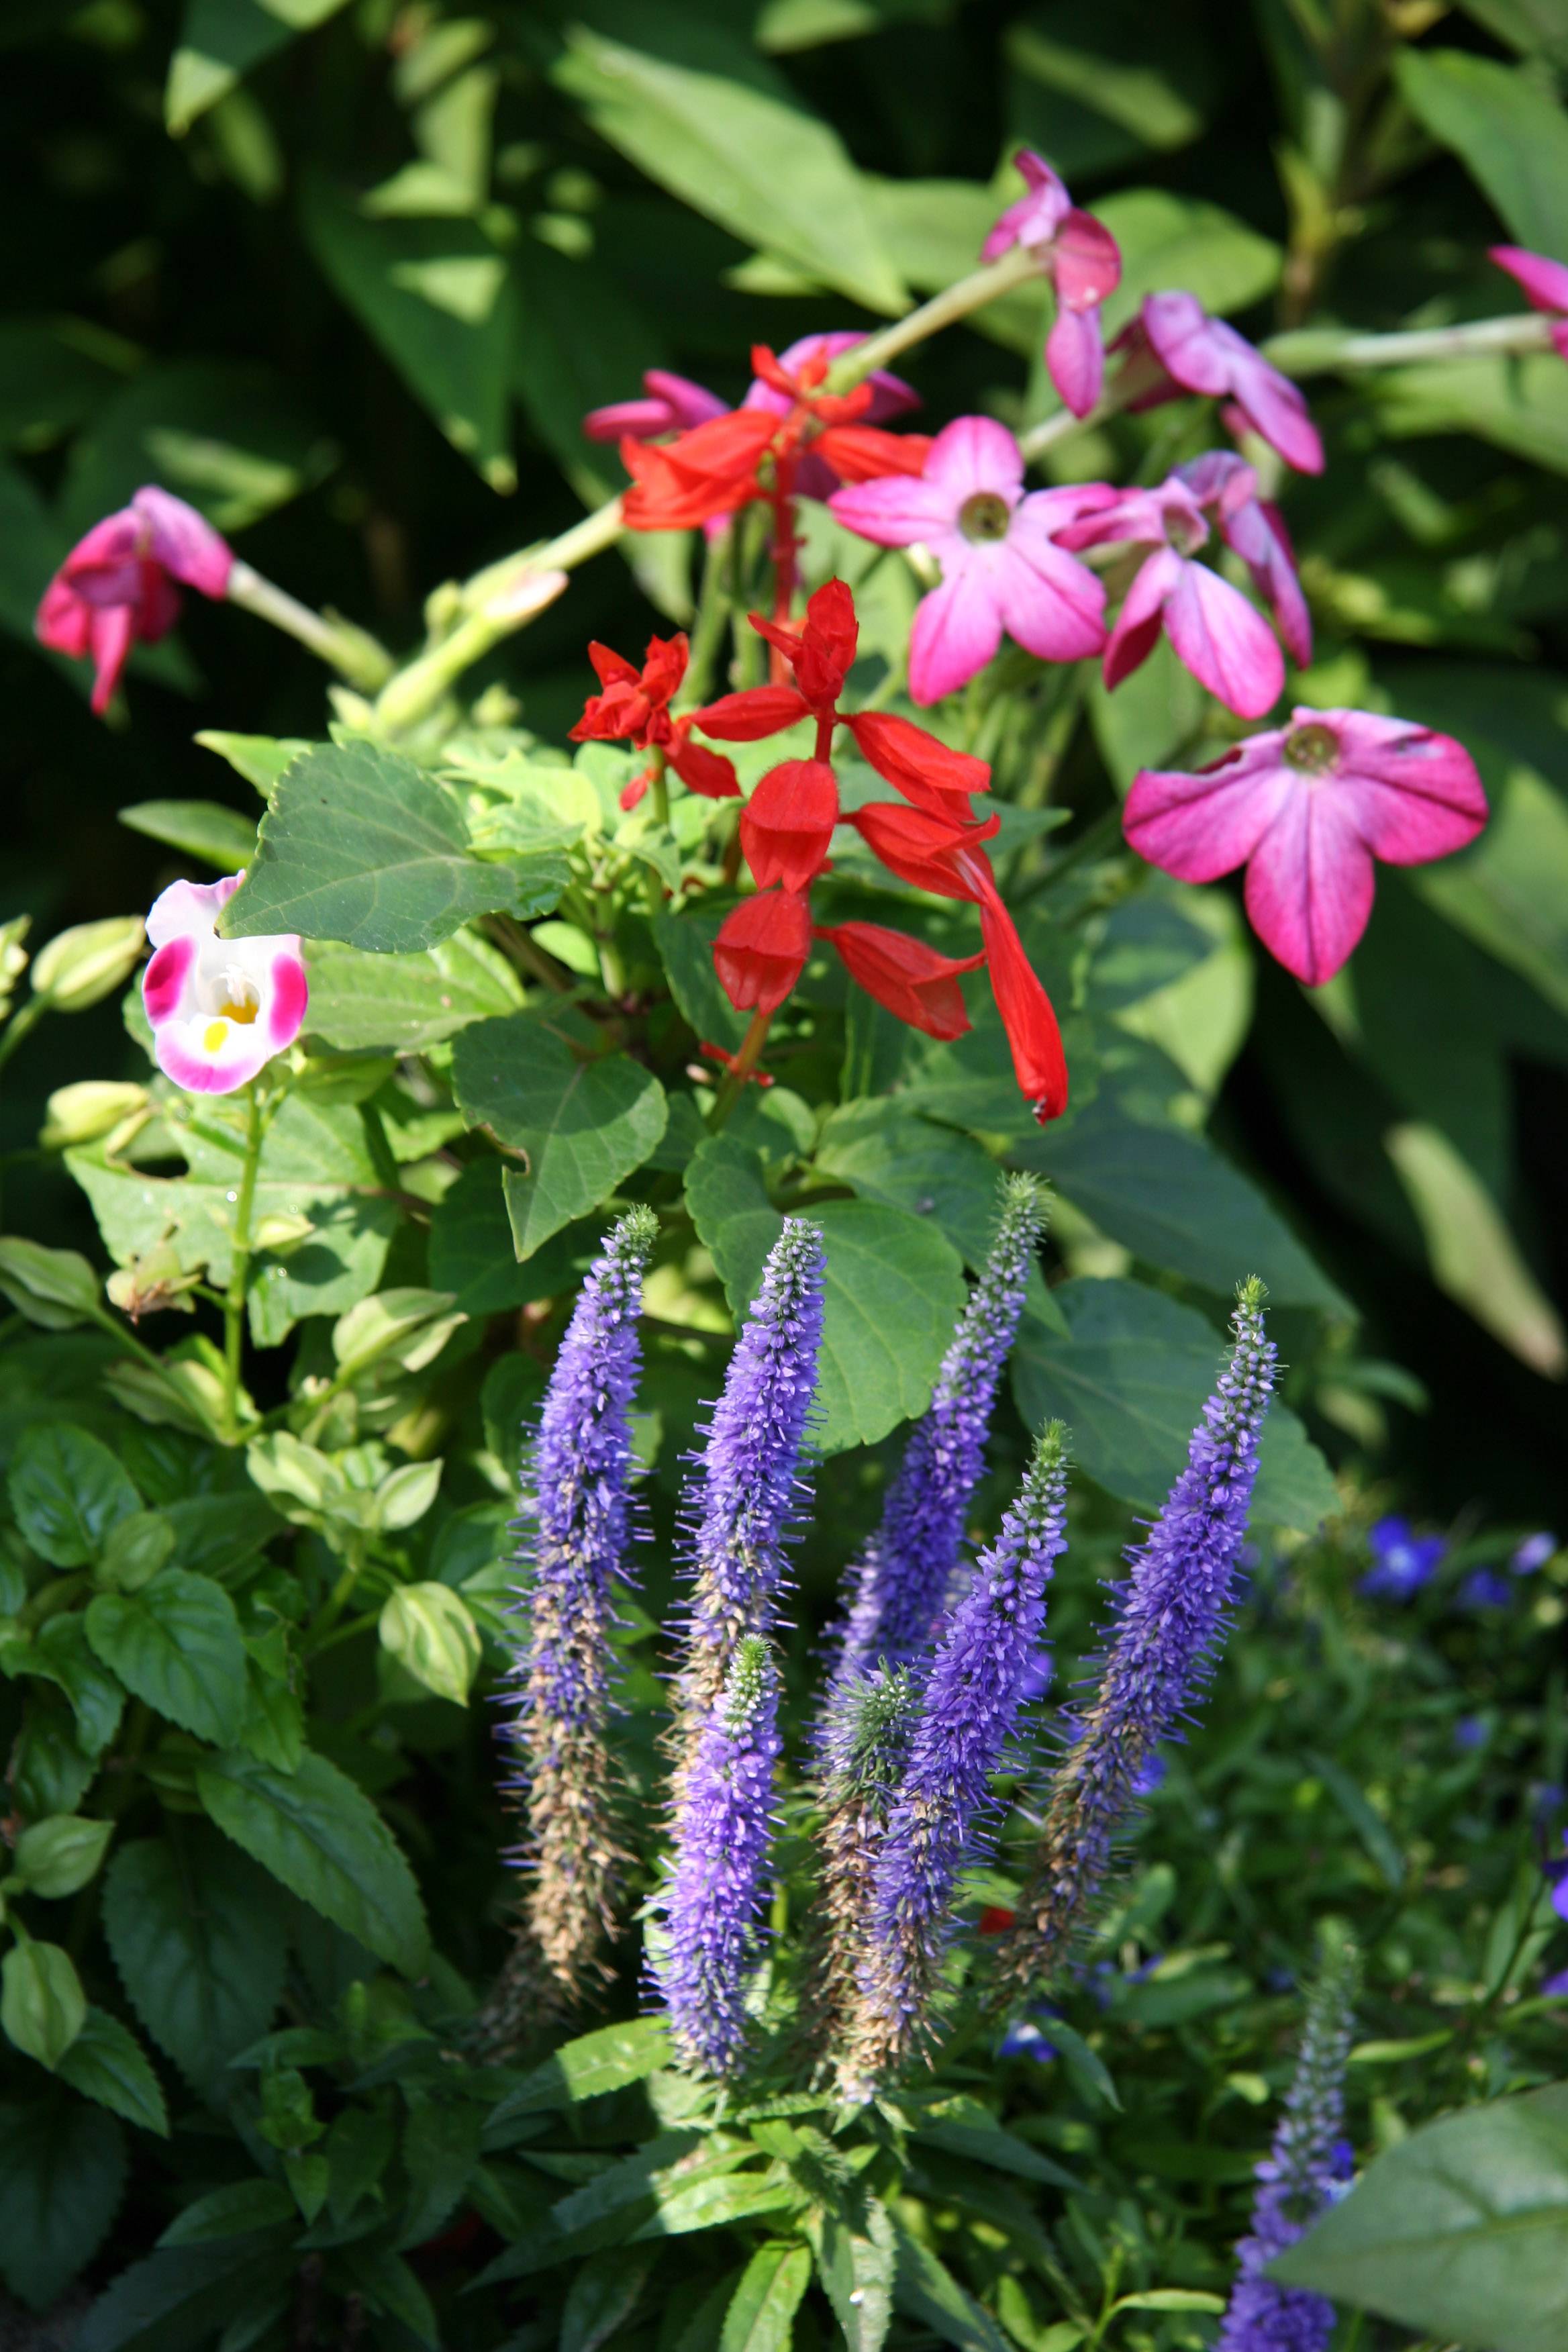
[1083,262]
[1545,285]
[220,1009]
[117,586]
[1221,638]
[1180,348]
[670,404]
[1226,487]
[1305,808]
[1003,565]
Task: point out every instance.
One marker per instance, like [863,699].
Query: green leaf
[759,165]
[584,340]
[966,2128]
[177,1645]
[223,40]
[227,435]
[892,1155]
[436,296]
[220,836]
[1170,240]
[361,845]
[927,2291]
[54,373]
[62,2170]
[259,759]
[404,1002]
[685,943]
[1084,2063]
[857,2269]
[197,1935]
[68,1491]
[107,2063]
[62,1653]
[237,2210]
[472,1252]
[1518,404]
[1131,1381]
[688,2205]
[53,1288]
[1461,2231]
[1506,128]
[441,2150]
[42,2005]
[323,1838]
[892,1290]
[761,2316]
[430,1630]
[1177,1205]
[1368,1824]
[1096,93]
[58,1856]
[605,2060]
[180,2298]
[599,2298]
[585,1120]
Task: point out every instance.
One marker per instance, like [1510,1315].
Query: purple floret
[1402,1562]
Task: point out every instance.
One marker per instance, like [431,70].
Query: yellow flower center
[213,1034]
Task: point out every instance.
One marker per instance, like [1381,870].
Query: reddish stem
[786,545]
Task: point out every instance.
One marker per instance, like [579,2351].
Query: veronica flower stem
[351,651]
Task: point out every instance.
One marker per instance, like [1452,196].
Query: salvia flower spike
[970,1706]
[579,1518]
[1309,2167]
[865,1750]
[898,1588]
[714,1901]
[1169,1616]
[746,1494]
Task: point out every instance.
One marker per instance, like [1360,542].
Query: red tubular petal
[925,850]
[755,712]
[761,950]
[787,824]
[865,453]
[704,771]
[611,666]
[931,774]
[1026,1015]
[827,644]
[914,982]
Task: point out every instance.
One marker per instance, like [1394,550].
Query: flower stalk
[352,652]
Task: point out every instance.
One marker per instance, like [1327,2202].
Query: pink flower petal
[1053,604]
[895,510]
[183,542]
[975,454]
[163,983]
[290,996]
[1276,409]
[1086,261]
[1560,340]
[957,629]
[1200,826]
[1224,641]
[1309,883]
[1545,282]
[1133,639]
[187,910]
[183,1054]
[111,632]
[1185,342]
[1415,794]
[628,420]
[1075,358]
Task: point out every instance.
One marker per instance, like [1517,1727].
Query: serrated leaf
[107,2063]
[605,2060]
[62,2170]
[181,2296]
[68,1491]
[761,2315]
[689,2205]
[198,1937]
[926,2290]
[177,1645]
[857,2268]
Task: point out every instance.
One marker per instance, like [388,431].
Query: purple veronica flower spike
[1307,2167]
[578,1518]
[713,1901]
[1401,1562]
[1169,1616]
[865,1750]
[746,1494]
[898,1588]
[969,1710]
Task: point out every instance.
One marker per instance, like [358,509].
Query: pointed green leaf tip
[1051,1448]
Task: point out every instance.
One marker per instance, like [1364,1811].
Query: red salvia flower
[928,774]
[709,471]
[633,707]
[1027,1014]
[821,651]
[911,979]
[930,853]
[752,713]
[787,824]
[762,948]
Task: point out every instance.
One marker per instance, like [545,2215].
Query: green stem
[22,1021]
[707,628]
[1321,350]
[240,1268]
[592,536]
[418,688]
[337,1600]
[1016,268]
[351,651]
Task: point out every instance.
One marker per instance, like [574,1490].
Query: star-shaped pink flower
[1305,809]
[1175,340]
[1002,567]
[1083,262]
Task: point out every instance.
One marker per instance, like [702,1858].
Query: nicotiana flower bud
[894,1594]
[1307,2167]
[220,1009]
[970,1706]
[1168,1618]
[713,1901]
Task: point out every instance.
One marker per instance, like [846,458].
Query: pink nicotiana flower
[1226,487]
[1545,285]
[1305,808]
[220,1009]
[670,404]
[117,586]
[1180,348]
[1002,566]
[1083,262]
[1224,641]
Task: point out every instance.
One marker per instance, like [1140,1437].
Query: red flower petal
[930,774]
[914,983]
[761,950]
[755,711]
[787,824]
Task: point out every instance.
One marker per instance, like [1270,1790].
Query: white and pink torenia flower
[1305,809]
[1083,262]
[1545,285]
[1214,631]
[220,1009]
[1178,347]
[999,547]
[120,584]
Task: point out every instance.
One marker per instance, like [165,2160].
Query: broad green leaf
[760,166]
[1177,1205]
[1096,92]
[339,1263]
[227,435]
[1131,1381]
[186,2297]
[236,2210]
[1531,25]
[322,1837]
[893,1289]
[223,40]
[220,836]
[441,2150]
[361,845]
[966,2128]
[685,943]
[53,1288]
[857,2269]
[584,339]
[605,2060]
[42,2005]
[1461,2231]
[62,2171]
[107,2063]
[599,2298]
[584,1120]
[259,759]
[472,1252]
[1509,891]
[1473,1255]
[68,1491]
[888,1154]
[1518,404]
[1506,128]
[56,1856]
[925,2290]
[1181,241]
[405,1002]
[62,1653]
[761,2316]
[688,2205]
[176,1644]
[199,1940]
[430,1630]
[436,298]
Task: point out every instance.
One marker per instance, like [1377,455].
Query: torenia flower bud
[87,963]
[88,1109]
[220,1009]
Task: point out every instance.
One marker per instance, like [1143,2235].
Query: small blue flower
[1557,1879]
[1470,1732]
[1025,2039]
[1485,1589]
[1555,1988]
[1533,1553]
[1402,1562]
